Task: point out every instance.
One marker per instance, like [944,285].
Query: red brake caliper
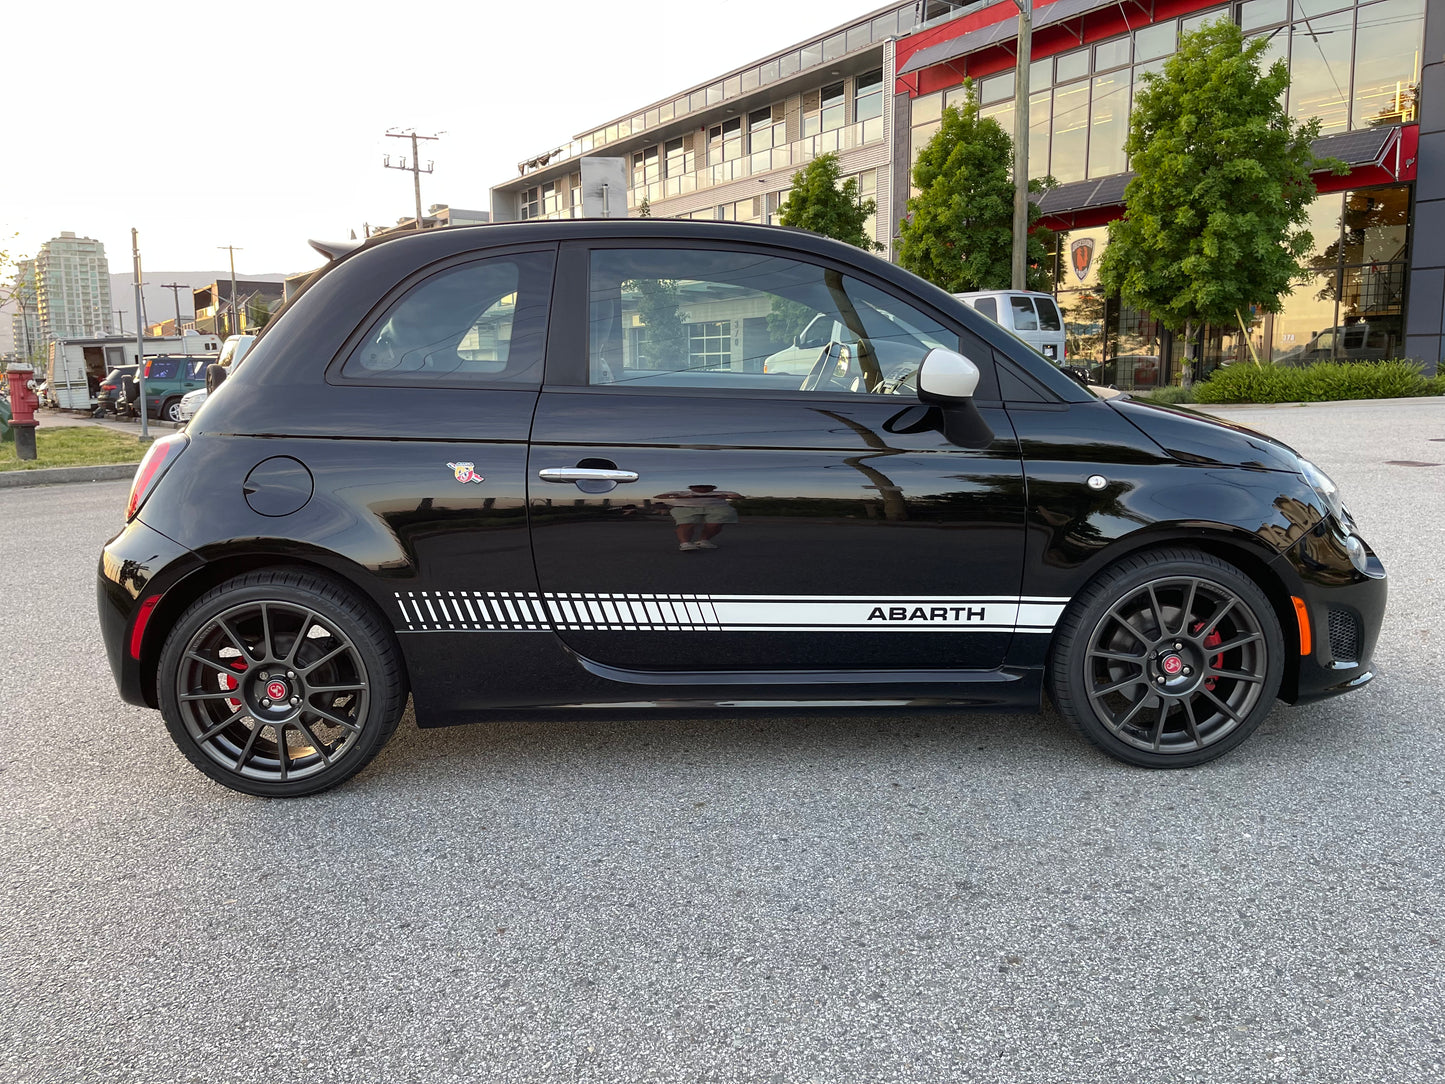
[1214,639]
[228,683]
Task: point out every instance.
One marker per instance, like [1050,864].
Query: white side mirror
[946,377]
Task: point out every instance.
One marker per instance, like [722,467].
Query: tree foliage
[1222,186]
[818,202]
[959,229]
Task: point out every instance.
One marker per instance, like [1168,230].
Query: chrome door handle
[585,474]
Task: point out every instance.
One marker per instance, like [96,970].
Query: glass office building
[1357,66]
[873,90]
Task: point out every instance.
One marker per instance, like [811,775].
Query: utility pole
[415,167]
[175,288]
[1021,144]
[235,328]
[120,315]
[140,349]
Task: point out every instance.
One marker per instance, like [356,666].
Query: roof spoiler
[334,250]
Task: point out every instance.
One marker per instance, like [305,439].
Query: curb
[49,476]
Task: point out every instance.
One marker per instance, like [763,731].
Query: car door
[690,512]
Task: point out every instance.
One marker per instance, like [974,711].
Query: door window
[1025,319]
[196,370]
[740,320]
[481,323]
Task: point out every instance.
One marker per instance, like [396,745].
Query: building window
[830,113]
[725,141]
[710,344]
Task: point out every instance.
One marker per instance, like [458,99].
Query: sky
[205,125]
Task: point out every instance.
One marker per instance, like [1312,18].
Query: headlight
[1328,492]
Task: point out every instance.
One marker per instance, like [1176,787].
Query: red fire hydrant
[23,402]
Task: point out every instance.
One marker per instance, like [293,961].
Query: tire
[215,377]
[314,678]
[1167,659]
[171,410]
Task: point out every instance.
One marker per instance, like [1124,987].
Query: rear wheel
[280,683]
[1168,659]
[171,410]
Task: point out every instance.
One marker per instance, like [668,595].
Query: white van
[1033,317]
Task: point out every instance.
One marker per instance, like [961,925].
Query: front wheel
[280,683]
[1169,659]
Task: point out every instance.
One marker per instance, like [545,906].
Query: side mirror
[946,377]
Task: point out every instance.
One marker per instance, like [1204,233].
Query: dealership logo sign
[1081,255]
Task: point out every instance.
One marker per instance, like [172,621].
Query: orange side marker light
[1302,614]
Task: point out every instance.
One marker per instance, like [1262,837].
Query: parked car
[170,376]
[1033,317]
[233,352]
[442,473]
[892,341]
[190,403]
[119,386]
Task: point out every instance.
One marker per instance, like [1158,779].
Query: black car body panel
[870,528]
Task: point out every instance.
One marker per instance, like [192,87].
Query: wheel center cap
[1171,665]
[277,690]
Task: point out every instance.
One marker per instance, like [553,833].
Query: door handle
[585,474]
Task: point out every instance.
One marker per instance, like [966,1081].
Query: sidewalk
[67,419]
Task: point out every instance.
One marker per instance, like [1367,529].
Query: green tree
[664,325]
[258,313]
[820,203]
[644,209]
[1222,185]
[959,229]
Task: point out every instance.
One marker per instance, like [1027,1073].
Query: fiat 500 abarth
[535,470]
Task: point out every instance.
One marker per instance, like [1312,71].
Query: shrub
[1326,381]
[1170,394]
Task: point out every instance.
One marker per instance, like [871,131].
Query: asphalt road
[897,898]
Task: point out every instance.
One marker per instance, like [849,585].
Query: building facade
[25,335]
[1355,64]
[213,307]
[72,288]
[873,90]
[727,149]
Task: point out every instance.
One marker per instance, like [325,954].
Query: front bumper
[1346,607]
[137,565]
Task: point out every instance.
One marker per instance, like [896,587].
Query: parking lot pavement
[893,897]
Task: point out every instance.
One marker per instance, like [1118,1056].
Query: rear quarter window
[1024,317]
[163,370]
[479,323]
[1048,314]
[988,306]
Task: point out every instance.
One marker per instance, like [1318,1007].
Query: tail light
[157,461]
[148,370]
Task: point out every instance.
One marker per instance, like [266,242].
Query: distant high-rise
[25,324]
[72,288]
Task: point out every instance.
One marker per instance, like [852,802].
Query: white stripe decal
[613,612]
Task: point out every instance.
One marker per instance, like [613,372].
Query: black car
[528,470]
[119,386]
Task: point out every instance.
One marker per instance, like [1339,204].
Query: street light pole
[140,348]
[1021,145]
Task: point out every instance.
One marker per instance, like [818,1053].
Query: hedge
[1324,381]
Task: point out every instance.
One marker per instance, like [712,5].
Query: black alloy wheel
[1169,659]
[280,683]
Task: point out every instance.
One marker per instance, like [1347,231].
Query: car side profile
[536,470]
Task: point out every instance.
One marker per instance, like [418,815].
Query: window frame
[567,354]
